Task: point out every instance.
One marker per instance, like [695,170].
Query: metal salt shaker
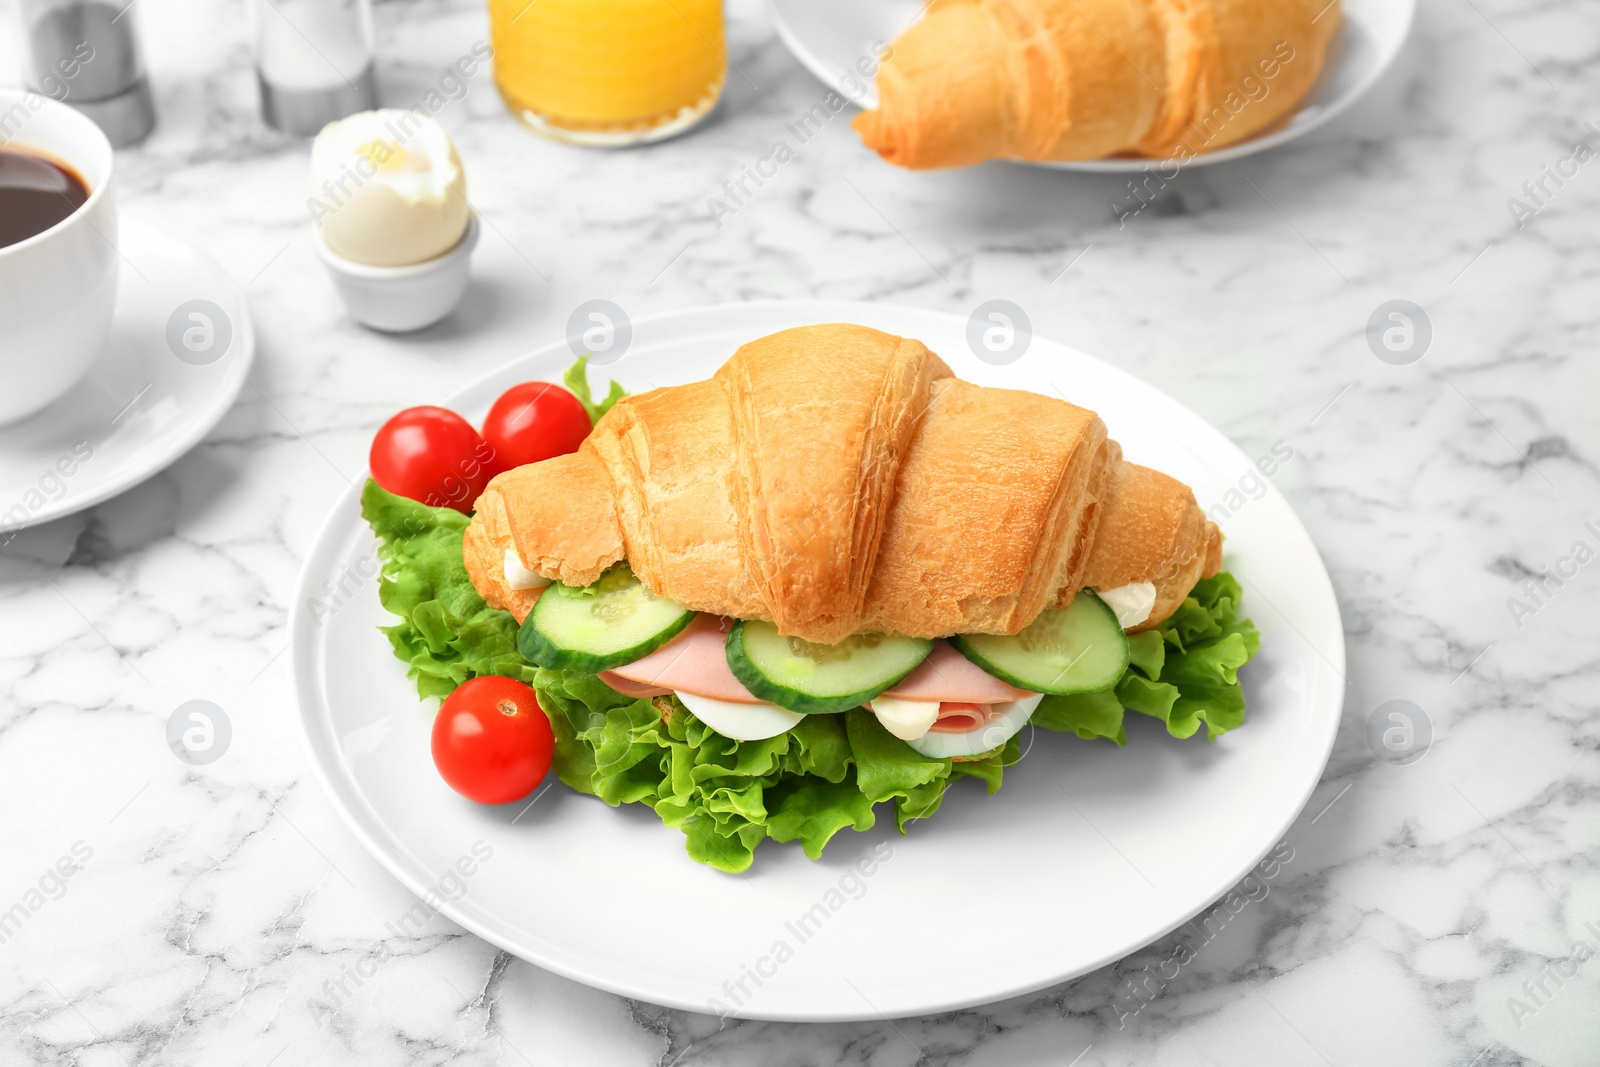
[314,62]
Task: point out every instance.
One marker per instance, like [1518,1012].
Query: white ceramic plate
[140,406]
[829,36]
[993,896]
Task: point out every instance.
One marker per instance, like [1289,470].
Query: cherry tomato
[534,421]
[432,455]
[491,740]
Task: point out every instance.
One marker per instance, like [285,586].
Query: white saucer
[829,36]
[140,406]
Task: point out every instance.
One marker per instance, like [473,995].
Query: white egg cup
[403,299]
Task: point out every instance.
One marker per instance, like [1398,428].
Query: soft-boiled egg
[387,188]
[742,722]
[1005,722]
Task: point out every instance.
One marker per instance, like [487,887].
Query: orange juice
[608,72]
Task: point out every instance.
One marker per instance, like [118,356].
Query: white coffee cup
[57,288]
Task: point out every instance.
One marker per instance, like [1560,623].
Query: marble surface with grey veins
[1438,913]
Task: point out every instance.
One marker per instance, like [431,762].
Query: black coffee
[36,192]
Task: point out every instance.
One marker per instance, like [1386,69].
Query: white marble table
[217,901]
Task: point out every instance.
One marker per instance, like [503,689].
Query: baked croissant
[838,480]
[1083,79]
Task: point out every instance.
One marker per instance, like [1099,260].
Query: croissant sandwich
[838,484]
[830,576]
[834,480]
[1083,79]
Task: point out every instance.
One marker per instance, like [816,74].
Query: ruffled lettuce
[827,774]
[446,633]
[1185,673]
[576,379]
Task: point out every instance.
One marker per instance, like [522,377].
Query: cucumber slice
[591,629]
[819,679]
[1080,648]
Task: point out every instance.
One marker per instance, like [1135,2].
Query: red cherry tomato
[432,455]
[491,740]
[534,421]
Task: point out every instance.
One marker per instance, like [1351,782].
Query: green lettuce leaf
[887,767]
[576,379]
[922,801]
[446,633]
[1089,715]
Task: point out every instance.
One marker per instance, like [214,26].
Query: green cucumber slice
[819,679]
[1080,648]
[594,628]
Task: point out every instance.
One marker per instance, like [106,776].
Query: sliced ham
[948,675]
[959,717]
[636,690]
[695,662]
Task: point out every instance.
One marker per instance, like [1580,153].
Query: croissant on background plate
[1084,79]
[836,480]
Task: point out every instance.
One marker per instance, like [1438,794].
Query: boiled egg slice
[742,722]
[906,719]
[1005,722]
[519,577]
[1132,603]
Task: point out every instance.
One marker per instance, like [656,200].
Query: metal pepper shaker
[86,53]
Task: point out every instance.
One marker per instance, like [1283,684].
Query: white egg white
[519,577]
[906,719]
[1132,603]
[1007,720]
[742,722]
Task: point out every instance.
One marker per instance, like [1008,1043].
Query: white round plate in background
[141,405]
[1088,852]
[828,37]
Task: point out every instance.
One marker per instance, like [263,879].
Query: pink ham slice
[636,690]
[948,675]
[694,662]
[960,718]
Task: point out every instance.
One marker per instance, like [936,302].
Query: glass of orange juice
[609,72]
